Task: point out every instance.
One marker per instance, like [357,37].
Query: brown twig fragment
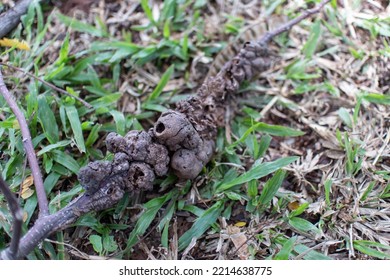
[17,214]
[28,146]
[285,27]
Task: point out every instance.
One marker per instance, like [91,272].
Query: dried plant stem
[33,162]
[17,214]
[287,26]
[60,90]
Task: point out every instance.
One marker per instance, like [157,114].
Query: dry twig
[17,214]
[28,146]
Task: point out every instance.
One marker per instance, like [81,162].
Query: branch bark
[17,215]
[286,27]
[10,19]
[28,146]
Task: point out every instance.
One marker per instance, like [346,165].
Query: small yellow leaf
[27,193]
[15,124]
[25,216]
[26,190]
[21,45]
[240,224]
[28,182]
[293,205]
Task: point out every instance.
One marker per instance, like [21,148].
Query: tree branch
[17,214]
[10,19]
[287,26]
[28,146]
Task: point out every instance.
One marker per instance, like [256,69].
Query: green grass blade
[54,146]
[162,83]
[153,107]
[80,26]
[377,98]
[286,250]
[367,191]
[97,244]
[201,224]
[299,210]
[311,254]
[48,121]
[265,141]
[257,172]
[120,122]
[144,221]
[303,226]
[276,130]
[148,11]
[170,210]
[74,119]
[106,101]
[164,236]
[328,189]
[271,187]
[345,116]
[66,161]
[369,248]
[64,51]
[63,198]
[93,135]
[312,42]
[252,188]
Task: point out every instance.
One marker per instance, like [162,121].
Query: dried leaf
[239,240]
[240,224]
[293,205]
[26,190]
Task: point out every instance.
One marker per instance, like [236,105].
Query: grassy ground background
[324,101]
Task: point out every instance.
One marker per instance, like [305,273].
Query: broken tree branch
[17,215]
[286,27]
[10,19]
[28,146]
[182,140]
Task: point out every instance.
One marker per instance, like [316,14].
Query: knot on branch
[253,58]
[191,152]
[206,111]
[139,147]
[121,175]
[174,131]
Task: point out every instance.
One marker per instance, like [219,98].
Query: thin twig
[287,26]
[86,256]
[60,90]
[36,172]
[17,214]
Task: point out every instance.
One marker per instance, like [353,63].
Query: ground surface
[330,81]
